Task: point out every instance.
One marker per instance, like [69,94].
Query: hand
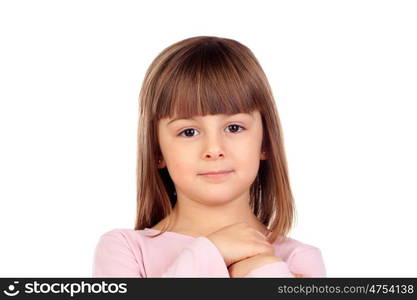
[245,266]
[239,241]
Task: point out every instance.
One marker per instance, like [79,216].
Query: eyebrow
[180,119]
[227,116]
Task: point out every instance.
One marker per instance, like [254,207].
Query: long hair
[210,75]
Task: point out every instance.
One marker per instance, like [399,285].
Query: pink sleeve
[276,269]
[200,258]
[113,257]
[308,262]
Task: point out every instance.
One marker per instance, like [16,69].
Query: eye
[191,130]
[236,126]
[188,130]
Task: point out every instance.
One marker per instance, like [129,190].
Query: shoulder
[118,252]
[288,247]
[119,236]
[302,258]
[124,238]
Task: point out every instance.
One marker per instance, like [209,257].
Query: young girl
[213,191]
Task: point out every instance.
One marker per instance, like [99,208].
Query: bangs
[208,78]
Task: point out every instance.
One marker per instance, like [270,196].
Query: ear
[264,156]
[161,163]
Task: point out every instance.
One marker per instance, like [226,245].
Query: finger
[260,234]
[267,248]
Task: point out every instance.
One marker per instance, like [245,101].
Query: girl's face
[212,143]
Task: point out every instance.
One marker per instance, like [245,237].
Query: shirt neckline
[172,233]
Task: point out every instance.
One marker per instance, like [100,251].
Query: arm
[200,258]
[302,263]
[262,264]
[114,258]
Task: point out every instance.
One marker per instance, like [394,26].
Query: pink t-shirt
[131,253]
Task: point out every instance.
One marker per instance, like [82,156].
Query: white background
[344,75]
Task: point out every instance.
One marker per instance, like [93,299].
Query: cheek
[249,150]
[180,167]
[248,169]
[178,156]
[247,161]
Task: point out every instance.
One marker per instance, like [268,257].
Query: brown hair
[210,75]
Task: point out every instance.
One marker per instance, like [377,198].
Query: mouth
[217,174]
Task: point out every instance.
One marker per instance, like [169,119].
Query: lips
[217,172]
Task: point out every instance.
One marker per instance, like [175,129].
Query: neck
[198,219]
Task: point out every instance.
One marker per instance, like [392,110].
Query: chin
[216,199]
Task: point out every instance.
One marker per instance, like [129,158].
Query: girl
[213,192]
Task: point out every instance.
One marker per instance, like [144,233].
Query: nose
[214,148]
